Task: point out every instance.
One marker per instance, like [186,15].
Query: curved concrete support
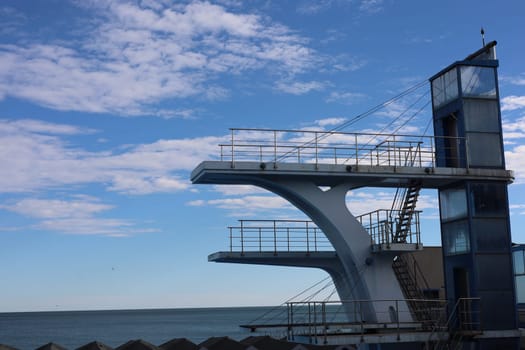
[367,276]
[327,261]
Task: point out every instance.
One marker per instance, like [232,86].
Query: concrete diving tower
[314,171]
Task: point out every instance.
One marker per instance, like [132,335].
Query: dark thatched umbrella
[179,344]
[51,346]
[221,343]
[268,343]
[95,345]
[138,344]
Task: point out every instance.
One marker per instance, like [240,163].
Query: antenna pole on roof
[483,36]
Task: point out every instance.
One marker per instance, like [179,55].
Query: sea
[72,329]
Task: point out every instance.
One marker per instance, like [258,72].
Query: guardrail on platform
[329,147]
[317,320]
[278,236]
[381,226]
[320,319]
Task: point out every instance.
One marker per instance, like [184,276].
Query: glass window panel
[484,150]
[456,238]
[445,88]
[488,200]
[451,85]
[520,289]
[519,263]
[481,115]
[438,93]
[478,81]
[453,204]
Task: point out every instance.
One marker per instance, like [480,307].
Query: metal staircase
[406,212]
[413,283]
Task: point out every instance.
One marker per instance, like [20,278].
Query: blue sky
[107,106]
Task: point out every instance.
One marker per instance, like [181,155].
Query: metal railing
[278,236]
[382,227]
[462,320]
[319,319]
[328,147]
[303,235]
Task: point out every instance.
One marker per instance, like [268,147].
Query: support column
[369,276]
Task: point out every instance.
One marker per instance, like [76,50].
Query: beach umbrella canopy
[95,345]
[51,346]
[138,344]
[179,344]
[266,342]
[221,343]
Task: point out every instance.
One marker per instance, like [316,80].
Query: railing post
[274,238]
[325,326]
[231,240]
[315,239]
[397,319]
[316,151]
[275,149]
[232,146]
[309,323]
[315,322]
[288,237]
[260,239]
[307,238]
[419,153]
[432,153]
[290,321]
[361,319]
[467,161]
[242,238]
[356,151]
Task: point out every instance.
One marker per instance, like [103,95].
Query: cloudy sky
[107,106]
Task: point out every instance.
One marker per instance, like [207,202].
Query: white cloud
[511,103]
[345,97]
[515,161]
[131,57]
[313,7]
[236,190]
[371,6]
[330,122]
[55,208]
[515,80]
[35,157]
[360,202]
[513,129]
[259,206]
[299,88]
[316,6]
[73,216]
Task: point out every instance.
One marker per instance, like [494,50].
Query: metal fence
[328,147]
[381,226]
[320,319]
[278,236]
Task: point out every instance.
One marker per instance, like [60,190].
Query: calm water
[73,329]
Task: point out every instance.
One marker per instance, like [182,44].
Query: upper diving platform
[329,158]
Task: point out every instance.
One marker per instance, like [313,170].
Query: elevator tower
[475,227]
